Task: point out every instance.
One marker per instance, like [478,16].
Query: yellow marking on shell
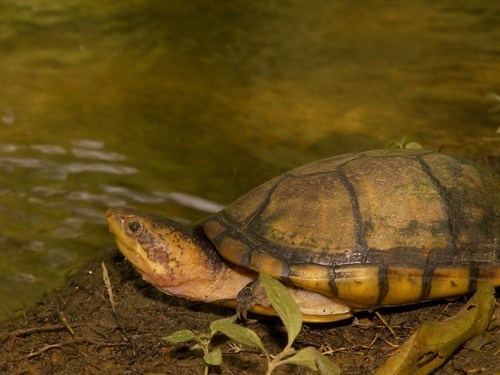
[357,286]
[266,263]
[213,229]
[310,276]
[448,282]
[404,285]
[232,250]
[490,274]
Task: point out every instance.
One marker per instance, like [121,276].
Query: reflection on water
[53,220]
[172,106]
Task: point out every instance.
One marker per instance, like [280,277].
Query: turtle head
[169,255]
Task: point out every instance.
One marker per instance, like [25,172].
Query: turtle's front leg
[248,297]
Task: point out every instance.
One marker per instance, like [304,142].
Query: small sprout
[290,314]
[404,143]
[413,146]
[211,357]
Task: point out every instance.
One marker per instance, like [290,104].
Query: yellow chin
[129,248]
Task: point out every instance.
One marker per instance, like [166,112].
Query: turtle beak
[116,217]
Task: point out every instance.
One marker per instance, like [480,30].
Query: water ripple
[23,162]
[74,168]
[8,148]
[89,143]
[96,154]
[49,149]
[192,201]
[47,191]
[98,198]
[133,195]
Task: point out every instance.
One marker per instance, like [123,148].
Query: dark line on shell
[331,282]
[445,201]
[426,282]
[246,258]
[473,276]
[285,275]
[262,206]
[359,231]
[286,269]
[383,284]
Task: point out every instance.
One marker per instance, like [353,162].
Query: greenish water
[153,104]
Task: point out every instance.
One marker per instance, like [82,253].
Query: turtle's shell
[375,228]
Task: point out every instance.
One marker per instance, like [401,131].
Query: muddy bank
[74,330]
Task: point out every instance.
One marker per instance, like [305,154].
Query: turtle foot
[247,298]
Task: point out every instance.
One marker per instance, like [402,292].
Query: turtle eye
[133,227]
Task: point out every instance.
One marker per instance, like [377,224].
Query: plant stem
[204,345]
[276,361]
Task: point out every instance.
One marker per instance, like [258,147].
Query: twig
[326,349]
[107,282]
[373,341]
[65,322]
[72,342]
[387,325]
[28,331]
[443,311]
[370,345]
[389,343]
[331,351]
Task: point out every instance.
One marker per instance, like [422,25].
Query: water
[178,108]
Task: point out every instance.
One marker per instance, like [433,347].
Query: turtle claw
[246,300]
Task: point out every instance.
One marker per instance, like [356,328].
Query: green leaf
[434,342]
[238,333]
[196,347]
[304,357]
[180,336]
[214,326]
[213,358]
[284,304]
[413,146]
[313,360]
[326,366]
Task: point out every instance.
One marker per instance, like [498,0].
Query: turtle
[347,233]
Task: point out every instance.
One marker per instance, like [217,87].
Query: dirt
[74,330]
